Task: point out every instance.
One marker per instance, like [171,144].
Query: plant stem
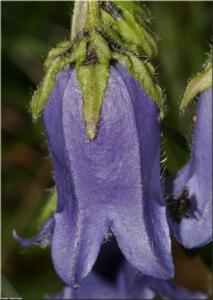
[79,17]
[92,14]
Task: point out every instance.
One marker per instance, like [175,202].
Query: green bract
[112,31]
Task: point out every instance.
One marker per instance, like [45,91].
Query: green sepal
[131,32]
[117,39]
[41,95]
[142,16]
[56,52]
[200,83]
[123,58]
[79,52]
[109,29]
[93,81]
[133,7]
[101,47]
[150,68]
[141,72]
[137,15]
[136,33]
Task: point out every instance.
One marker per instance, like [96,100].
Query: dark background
[29,31]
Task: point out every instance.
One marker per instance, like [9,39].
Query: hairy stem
[79,17]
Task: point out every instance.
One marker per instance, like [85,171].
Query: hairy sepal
[143,72]
[93,81]
[41,95]
[200,83]
[132,32]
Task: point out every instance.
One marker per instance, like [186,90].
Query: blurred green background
[29,30]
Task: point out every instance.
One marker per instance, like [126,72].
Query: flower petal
[129,285]
[92,287]
[138,286]
[150,226]
[101,184]
[78,231]
[170,290]
[76,241]
[43,239]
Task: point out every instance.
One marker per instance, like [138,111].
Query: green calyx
[129,26]
[55,62]
[200,83]
[143,72]
[112,31]
[93,94]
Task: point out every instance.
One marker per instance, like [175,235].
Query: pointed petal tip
[43,239]
[200,240]
[20,241]
[165,273]
[73,281]
[168,274]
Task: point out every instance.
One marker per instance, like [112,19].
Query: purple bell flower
[195,227]
[109,184]
[129,285]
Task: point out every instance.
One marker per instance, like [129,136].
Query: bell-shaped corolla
[191,187]
[111,183]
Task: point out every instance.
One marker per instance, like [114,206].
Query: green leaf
[8,291]
[93,81]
